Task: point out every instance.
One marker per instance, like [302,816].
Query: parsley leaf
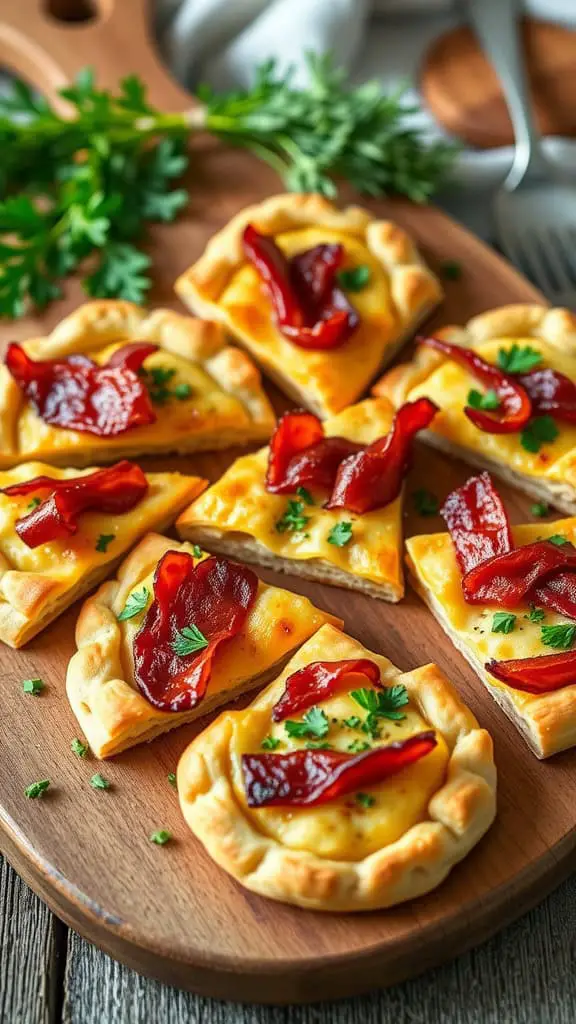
[451,270]
[317,745]
[381,704]
[560,637]
[197,551]
[353,722]
[135,604]
[518,360]
[36,789]
[34,686]
[487,400]
[358,746]
[340,534]
[99,782]
[541,430]
[503,622]
[34,503]
[425,503]
[365,799]
[183,391]
[189,640]
[535,614]
[104,540]
[172,780]
[161,837]
[315,723]
[305,496]
[270,743]
[540,509]
[293,520]
[355,278]
[79,748]
[558,539]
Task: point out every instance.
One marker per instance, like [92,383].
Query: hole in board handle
[72,11]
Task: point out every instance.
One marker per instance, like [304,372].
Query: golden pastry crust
[548,480]
[37,585]
[227,405]
[402,293]
[458,814]
[100,679]
[547,722]
[238,516]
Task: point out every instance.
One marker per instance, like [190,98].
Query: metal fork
[535,210]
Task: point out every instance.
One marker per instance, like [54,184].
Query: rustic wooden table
[50,975]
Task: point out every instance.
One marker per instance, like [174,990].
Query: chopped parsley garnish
[305,496]
[358,746]
[353,722]
[34,686]
[189,640]
[36,789]
[172,779]
[79,748]
[540,509]
[183,391]
[197,551]
[541,430]
[558,539]
[293,519]
[354,279]
[161,837]
[503,622]
[104,540]
[518,360]
[383,703]
[270,743]
[451,270]
[365,799]
[34,503]
[315,723]
[560,637]
[99,782]
[340,534]
[535,614]
[317,745]
[156,380]
[425,503]
[135,604]
[487,400]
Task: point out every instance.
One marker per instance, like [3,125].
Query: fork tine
[553,253]
[538,268]
[566,249]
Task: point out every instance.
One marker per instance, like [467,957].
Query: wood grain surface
[463,92]
[168,911]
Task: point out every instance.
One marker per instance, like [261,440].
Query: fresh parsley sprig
[77,192]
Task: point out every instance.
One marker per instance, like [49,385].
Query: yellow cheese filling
[340,372]
[239,503]
[206,407]
[449,386]
[435,565]
[351,827]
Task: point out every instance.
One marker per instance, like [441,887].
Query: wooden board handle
[47,42]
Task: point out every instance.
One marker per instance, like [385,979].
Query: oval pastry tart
[346,785]
[507,598]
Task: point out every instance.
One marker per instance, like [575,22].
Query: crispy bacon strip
[550,393]
[373,477]
[509,580]
[309,307]
[536,675]
[320,680]
[215,596]
[515,405]
[77,394]
[306,778]
[114,490]
[477,521]
[300,455]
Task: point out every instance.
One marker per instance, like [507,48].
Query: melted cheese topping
[68,559]
[435,564]
[240,503]
[449,386]
[277,622]
[338,375]
[344,829]
[207,408]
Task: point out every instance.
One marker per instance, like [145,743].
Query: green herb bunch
[78,191]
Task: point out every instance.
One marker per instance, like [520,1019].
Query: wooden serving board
[169,911]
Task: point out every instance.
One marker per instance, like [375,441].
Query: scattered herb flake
[535,614]
[558,539]
[172,780]
[425,503]
[197,551]
[541,430]
[34,686]
[79,748]
[34,503]
[315,723]
[99,782]
[354,279]
[560,637]
[488,400]
[358,746]
[270,743]
[305,496]
[503,622]
[183,391]
[135,604]
[451,270]
[293,520]
[161,837]
[540,509]
[365,799]
[518,360]
[104,540]
[188,641]
[36,789]
[318,745]
[340,534]
[353,722]
[383,703]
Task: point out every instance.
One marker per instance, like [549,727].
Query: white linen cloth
[222,41]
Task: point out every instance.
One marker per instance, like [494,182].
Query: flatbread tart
[322,298]
[346,785]
[174,636]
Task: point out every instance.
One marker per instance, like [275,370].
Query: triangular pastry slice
[293,531]
[361,289]
[174,636]
[346,785]
[56,543]
[113,381]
